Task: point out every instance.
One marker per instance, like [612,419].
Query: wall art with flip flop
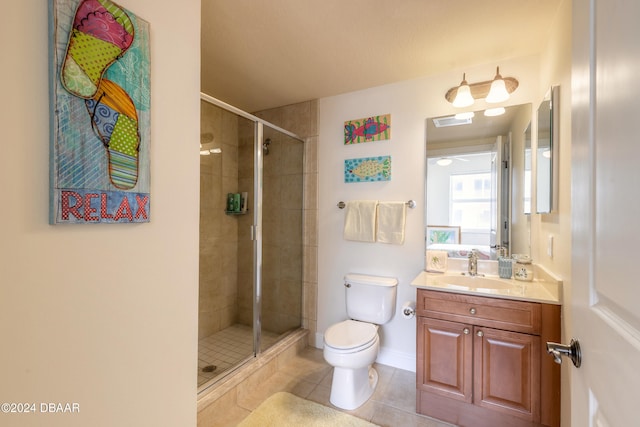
[100,113]
[376,128]
[367,169]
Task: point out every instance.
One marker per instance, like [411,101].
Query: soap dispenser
[505,263]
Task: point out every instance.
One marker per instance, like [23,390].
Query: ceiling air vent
[443,122]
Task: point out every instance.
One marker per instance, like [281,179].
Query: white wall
[409,104]
[100,315]
[556,70]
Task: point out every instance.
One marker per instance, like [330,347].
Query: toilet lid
[350,334]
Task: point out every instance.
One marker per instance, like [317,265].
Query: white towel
[360,220]
[391,220]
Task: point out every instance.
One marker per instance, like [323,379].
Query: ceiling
[264,54]
[481,127]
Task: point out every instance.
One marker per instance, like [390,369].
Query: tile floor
[226,348]
[307,375]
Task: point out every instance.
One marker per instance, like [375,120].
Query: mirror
[527,171]
[547,154]
[476,183]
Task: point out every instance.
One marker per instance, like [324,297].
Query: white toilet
[352,346]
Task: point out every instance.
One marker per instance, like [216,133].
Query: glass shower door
[225,317]
[282,222]
[250,260]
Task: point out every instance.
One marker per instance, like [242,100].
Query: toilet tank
[370,298]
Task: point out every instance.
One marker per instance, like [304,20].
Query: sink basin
[473,282]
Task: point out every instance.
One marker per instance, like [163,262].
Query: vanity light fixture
[444,161]
[465,115]
[492,112]
[463,94]
[496,90]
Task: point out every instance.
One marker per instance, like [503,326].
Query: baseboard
[319,342]
[397,359]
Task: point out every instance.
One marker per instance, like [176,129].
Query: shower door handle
[254,233]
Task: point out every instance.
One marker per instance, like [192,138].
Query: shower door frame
[256,227]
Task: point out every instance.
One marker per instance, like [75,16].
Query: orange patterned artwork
[376,128]
[100,113]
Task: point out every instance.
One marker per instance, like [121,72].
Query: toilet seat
[351,336]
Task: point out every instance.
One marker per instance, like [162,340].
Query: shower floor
[226,348]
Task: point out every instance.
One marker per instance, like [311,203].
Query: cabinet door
[444,362]
[507,372]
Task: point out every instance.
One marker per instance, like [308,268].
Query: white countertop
[545,289]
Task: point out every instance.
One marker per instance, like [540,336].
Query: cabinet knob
[465,331]
[472,310]
[480,333]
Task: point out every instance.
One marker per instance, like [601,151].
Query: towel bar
[411,204]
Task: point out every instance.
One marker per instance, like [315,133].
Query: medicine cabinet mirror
[547,153]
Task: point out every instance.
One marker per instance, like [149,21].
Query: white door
[494,231]
[605,305]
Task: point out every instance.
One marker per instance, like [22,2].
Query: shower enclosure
[250,259]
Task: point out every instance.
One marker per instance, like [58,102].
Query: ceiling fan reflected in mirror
[446,161]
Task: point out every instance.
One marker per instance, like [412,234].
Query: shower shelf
[236,213]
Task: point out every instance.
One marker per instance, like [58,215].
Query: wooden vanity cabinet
[482,361]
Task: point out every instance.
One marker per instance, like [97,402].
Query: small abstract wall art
[369,129]
[100,113]
[367,169]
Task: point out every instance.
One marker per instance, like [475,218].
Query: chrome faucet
[473,263]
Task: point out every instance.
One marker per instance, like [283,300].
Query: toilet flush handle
[347,285]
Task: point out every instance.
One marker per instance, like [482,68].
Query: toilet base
[350,388]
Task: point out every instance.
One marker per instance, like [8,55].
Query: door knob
[572,351]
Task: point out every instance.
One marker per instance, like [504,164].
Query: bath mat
[286,410]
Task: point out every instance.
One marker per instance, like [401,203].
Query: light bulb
[463,95]
[498,91]
[465,115]
[492,112]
